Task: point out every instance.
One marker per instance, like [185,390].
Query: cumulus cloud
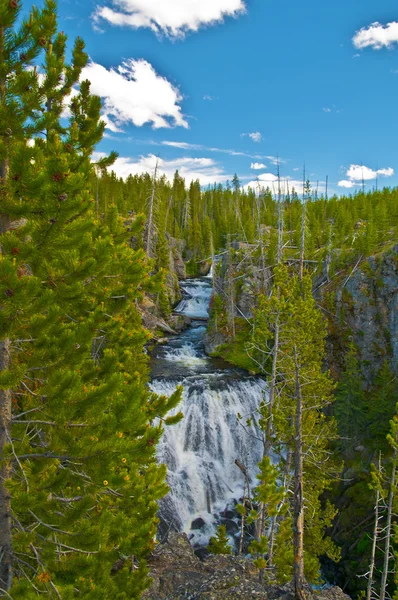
[173,18]
[386,172]
[257,166]
[191,169]
[376,36]
[346,184]
[134,93]
[360,172]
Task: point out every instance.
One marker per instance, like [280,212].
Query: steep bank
[360,304]
[179,575]
[157,310]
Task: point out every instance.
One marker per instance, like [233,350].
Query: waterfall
[201,450]
[195,303]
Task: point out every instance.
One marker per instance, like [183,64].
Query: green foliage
[83,473]
[350,402]
[219,544]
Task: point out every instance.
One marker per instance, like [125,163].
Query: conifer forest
[208,366]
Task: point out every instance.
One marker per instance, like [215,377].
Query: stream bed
[200,451]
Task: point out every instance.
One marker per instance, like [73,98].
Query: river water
[200,451]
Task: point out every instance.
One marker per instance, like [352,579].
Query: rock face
[179,575]
[361,306]
[365,304]
[151,314]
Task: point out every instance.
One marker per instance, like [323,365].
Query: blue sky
[297,76]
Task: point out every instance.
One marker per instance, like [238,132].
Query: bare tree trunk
[298,516]
[149,228]
[5,499]
[387,545]
[302,242]
[374,542]
[231,293]
[280,220]
[242,524]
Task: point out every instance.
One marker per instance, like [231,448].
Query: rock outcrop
[362,307]
[178,574]
[151,314]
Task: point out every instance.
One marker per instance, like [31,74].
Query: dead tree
[387,543]
[303,223]
[298,508]
[150,220]
[376,534]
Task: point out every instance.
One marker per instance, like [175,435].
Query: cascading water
[201,450]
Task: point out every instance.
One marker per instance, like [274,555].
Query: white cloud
[204,169]
[377,36]
[257,166]
[182,145]
[286,184]
[327,110]
[360,172]
[386,172]
[135,93]
[173,18]
[255,136]
[209,98]
[187,146]
[346,184]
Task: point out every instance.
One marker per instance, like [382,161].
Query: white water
[196,299]
[200,451]
[186,354]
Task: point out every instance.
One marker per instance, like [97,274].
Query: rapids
[200,451]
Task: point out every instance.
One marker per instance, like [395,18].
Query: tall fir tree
[80,427]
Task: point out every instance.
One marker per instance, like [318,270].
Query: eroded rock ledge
[178,574]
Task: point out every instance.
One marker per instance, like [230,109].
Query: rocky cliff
[178,574]
[152,316]
[361,305]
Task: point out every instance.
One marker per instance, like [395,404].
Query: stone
[198,523]
[178,574]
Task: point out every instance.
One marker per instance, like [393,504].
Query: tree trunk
[149,227]
[374,542]
[302,243]
[5,499]
[387,546]
[231,293]
[298,516]
[5,406]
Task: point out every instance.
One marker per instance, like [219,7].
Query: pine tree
[306,391]
[82,443]
[350,402]
[219,544]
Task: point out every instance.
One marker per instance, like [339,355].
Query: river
[200,451]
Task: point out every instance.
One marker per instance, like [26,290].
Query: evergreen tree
[80,427]
[219,544]
[350,402]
